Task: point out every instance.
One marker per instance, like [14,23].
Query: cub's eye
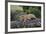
[32,18]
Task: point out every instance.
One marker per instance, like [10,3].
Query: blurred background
[21,10]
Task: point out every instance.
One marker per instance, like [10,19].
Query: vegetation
[36,10]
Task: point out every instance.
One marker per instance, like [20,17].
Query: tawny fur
[28,16]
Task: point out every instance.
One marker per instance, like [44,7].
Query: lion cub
[28,16]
